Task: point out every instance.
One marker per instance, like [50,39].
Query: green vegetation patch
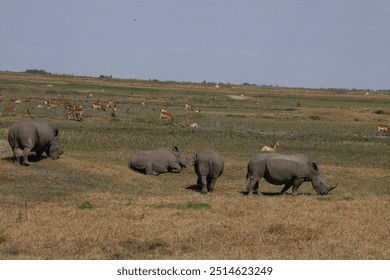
[85,205]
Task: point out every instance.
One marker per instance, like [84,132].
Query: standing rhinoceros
[159,161]
[287,170]
[36,136]
[208,166]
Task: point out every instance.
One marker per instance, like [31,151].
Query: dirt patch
[238,97]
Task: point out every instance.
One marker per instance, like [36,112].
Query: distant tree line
[37,71]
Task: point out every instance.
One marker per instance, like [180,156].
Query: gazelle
[9,109]
[188,107]
[76,113]
[98,105]
[192,124]
[269,149]
[382,128]
[164,114]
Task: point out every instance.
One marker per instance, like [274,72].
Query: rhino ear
[56,132]
[315,166]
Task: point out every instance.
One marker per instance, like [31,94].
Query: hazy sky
[297,43]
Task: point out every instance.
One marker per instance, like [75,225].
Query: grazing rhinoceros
[36,136]
[287,170]
[208,166]
[159,161]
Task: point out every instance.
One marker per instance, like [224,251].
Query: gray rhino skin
[33,136]
[287,170]
[159,161]
[208,166]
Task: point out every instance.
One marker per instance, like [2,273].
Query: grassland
[89,205]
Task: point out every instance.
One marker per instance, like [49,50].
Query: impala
[164,114]
[269,149]
[382,128]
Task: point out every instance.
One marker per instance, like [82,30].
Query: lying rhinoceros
[287,170]
[208,166]
[160,161]
[33,136]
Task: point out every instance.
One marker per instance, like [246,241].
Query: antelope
[76,113]
[164,114]
[9,109]
[27,113]
[111,103]
[382,128]
[98,105]
[15,101]
[192,124]
[52,104]
[114,110]
[188,107]
[269,149]
[68,105]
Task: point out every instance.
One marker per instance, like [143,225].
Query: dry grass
[89,205]
[127,227]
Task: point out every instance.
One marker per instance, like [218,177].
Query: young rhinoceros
[159,161]
[208,166]
[33,136]
[287,170]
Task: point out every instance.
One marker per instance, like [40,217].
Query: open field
[90,205]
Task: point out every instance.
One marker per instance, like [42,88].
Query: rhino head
[318,183]
[186,161]
[320,186]
[54,151]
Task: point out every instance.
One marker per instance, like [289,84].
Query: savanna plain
[89,205]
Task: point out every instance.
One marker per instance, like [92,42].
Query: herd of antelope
[76,110]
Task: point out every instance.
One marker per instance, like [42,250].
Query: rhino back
[142,159]
[34,134]
[162,156]
[285,167]
[209,163]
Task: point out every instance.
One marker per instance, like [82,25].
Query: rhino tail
[12,138]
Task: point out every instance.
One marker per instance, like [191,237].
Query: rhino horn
[331,188]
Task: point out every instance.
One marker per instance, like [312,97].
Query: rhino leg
[174,167]
[149,171]
[26,151]
[286,188]
[210,184]
[253,184]
[16,155]
[297,183]
[202,184]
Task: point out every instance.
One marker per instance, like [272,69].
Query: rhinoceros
[33,136]
[208,166]
[287,170]
[160,161]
